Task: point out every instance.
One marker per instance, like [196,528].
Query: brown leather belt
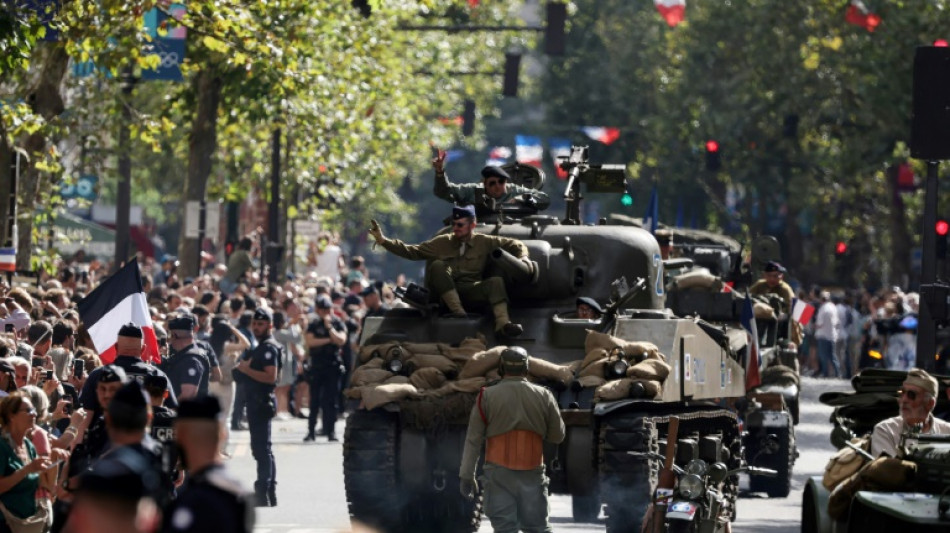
[518,449]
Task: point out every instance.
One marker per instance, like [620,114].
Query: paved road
[312,500]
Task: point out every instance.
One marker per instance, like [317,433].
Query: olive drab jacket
[467,265]
[513,404]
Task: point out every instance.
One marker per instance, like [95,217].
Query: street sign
[212,220]
[85,188]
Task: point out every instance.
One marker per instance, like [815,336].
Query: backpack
[845,463]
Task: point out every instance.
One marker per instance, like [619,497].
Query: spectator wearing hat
[188,367]
[324,337]
[588,308]
[212,499]
[457,263]
[258,370]
[494,187]
[916,399]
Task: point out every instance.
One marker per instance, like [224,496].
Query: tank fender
[815,517]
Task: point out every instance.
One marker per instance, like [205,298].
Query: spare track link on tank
[628,482]
[374,493]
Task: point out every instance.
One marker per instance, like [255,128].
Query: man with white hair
[826,333]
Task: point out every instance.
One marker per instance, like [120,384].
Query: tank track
[378,499]
[628,482]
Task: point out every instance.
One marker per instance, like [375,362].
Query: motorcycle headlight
[697,466]
[394,366]
[616,369]
[691,486]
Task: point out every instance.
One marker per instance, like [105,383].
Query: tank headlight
[691,486]
[616,369]
[394,365]
[697,467]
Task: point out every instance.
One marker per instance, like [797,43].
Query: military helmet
[514,360]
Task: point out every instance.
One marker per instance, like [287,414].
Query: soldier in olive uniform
[494,189]
[188,368]
[212,499]
[258,371]
[457,266]
[773,283]
[513,419]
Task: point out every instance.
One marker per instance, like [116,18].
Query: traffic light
[842,268]
[942,227]
[512,67]
[554,29]
[468,118]
[841,248]
[713,158]
[626,200]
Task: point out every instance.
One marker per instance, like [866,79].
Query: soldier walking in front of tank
[494,186]
[457,266]
[212,499]
[512,418]
[258,369]
[325,336]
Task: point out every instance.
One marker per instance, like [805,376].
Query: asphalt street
[311,497]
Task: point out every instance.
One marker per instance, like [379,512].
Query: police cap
[369,290]
[492,171]
[514,360]
[183,322]
[124,474]
[774,266]
[323,302]
[590,302]
[463,211]
[203,408]
[130,330]
[112,374]
[263,314]
[156,382]
[131,395]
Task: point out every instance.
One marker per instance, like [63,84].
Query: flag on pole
[802,311]
[498,156]
[859,15]
[118,300]
[559,147]
[650,218]
[754,358]
[8,259]
[528,150]
[604,135]
[672,11]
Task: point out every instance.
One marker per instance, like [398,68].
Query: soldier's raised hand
[376,231]
[438,162]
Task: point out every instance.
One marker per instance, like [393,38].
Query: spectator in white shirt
[826,334]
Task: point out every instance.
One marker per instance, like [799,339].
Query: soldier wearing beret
[188,368]
[588,308]
[212,499]
[258,370]
[916,399]
[128,356]
[457,264]
[773,283]
[494,187]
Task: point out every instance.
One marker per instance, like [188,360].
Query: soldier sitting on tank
[588,308]
[457,264]
[773,283]
[494,189]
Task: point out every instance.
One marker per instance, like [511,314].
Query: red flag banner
[672,11]
[859,15]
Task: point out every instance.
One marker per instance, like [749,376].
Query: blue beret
[496,172]
[464,211]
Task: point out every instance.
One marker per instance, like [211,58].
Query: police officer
[513,418]
[457,263]
[188,368]
[212,499]
[258,370]
[128,350]
[163,417]
[96,438]
[324,337]
[494,188]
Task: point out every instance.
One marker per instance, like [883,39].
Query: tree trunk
[46,100]
[202,144]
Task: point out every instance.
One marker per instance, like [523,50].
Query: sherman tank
[401,457]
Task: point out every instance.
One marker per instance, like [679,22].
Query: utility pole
[123,202]
[272,250]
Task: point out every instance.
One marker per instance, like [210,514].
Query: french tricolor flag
[802,312]
[8,259]
[672,11]
[528,150]
[604,135]
[118,300]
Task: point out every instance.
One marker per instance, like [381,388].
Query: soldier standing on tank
[773,282]
[212,499]
[325,336]
[512,418]
[457,264]
[258,370]
[187,368]
[494,187]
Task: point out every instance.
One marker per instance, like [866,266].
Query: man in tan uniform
[918,397]
[773,282]
[515,417]
[457,265]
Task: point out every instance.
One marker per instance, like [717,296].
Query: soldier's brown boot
[454,303]
[503,324]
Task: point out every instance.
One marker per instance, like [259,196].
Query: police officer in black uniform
[128,350]
[188,368]
[212,499]
[324,337]
[258,370]
[163,418]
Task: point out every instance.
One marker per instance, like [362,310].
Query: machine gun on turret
[599,178]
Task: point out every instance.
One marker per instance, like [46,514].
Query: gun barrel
[517,270]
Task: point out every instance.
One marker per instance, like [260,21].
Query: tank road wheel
[627,482]
[369,469]
[781,485]
[585,507]
[447,511]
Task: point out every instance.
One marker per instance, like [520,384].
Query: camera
[78,366]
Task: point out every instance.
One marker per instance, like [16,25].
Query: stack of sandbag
[698,278]
[647,368]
